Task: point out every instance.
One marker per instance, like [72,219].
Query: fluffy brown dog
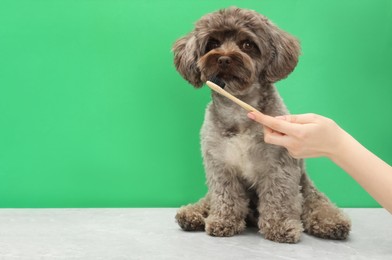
[247,178]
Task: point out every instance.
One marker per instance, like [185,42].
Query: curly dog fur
[249,181]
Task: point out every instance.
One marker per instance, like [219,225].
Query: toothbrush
[217,85]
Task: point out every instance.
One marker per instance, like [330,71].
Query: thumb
[278,125]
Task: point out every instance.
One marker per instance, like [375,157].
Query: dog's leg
[229,202]
[280,206]
[191,217]
[320,217]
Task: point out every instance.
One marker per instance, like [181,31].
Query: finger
[276,138]
[268,130]
[300,119]
[279,125]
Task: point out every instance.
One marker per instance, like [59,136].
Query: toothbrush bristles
[218,81]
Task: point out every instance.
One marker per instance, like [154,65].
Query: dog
[249,181]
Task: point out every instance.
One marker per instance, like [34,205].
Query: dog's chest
[236,153]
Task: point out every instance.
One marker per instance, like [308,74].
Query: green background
[93,113]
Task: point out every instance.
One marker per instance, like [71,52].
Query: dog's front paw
[331,226]
[285,231]
[224,227]
[190,220]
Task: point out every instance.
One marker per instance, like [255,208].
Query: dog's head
[239,46]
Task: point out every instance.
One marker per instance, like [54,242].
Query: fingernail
[251,116]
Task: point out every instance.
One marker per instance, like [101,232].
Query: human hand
[304,136]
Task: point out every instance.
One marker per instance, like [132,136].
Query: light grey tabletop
[152,233]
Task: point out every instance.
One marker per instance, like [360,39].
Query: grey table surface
[151,233]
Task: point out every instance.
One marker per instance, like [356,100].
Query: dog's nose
[224,61]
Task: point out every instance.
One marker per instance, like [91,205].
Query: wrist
[341,146]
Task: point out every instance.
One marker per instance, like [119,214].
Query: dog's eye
[212,44]
[247,45]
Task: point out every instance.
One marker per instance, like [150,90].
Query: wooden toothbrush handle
[223,92]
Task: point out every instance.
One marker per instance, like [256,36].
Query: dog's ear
[186,55]
[284,56]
